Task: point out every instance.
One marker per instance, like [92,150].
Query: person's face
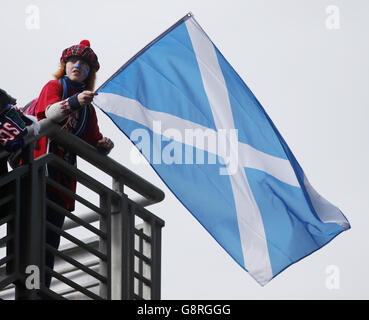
[77,69]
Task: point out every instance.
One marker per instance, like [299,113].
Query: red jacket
[51,93]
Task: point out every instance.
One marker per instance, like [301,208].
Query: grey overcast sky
[307,63]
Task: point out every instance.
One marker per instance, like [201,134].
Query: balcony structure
[122,258]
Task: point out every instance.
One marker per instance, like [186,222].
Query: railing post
[156,260]
[126,226]
[12,247]
[31,230]
[105,247]
[121,252]
[116,242]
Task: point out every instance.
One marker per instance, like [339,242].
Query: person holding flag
[67,100]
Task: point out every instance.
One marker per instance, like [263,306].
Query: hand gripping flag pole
[251,195]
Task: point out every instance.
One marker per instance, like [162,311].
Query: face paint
[80,65]
[86,71]
[86,68]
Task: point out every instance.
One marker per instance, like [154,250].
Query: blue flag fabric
[211,142]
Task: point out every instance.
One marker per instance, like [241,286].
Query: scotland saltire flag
[213,145]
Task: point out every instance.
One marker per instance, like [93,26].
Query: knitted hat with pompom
[83,51]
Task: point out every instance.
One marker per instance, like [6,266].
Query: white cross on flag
[213,145]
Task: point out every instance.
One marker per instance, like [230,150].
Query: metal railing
[126,258]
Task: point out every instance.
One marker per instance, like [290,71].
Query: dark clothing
[3,190]
[52,238]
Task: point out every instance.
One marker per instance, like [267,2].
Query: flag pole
[187,16]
